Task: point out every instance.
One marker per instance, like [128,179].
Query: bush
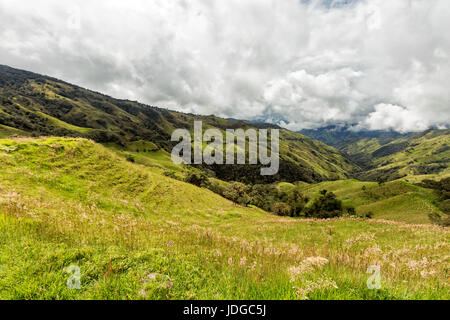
[237,192]
[441,221]
[350,211]
[281,209]
[170,174]
[198,179]
[325,206]
[368,215]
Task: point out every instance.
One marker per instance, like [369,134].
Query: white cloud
[300,64]
[388,116]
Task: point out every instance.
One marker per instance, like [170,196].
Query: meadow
[137,234]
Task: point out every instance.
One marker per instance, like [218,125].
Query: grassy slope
[422,156]
[396,200]
[6,131]
[137,234]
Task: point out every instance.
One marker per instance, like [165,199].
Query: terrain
[422,155]
[40,105]
[87,183]
[388,155]
[136,234]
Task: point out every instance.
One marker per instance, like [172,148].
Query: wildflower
[311,286]
[306,266]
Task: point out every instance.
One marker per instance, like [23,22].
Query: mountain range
[37,105]
[87,182]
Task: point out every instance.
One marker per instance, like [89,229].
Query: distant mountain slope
[40,105]
[425,154]
[389,155]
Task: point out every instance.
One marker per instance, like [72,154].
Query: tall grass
[136,234]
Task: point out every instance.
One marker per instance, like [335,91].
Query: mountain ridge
[42,105]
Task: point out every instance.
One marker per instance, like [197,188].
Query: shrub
[281,209]
[170,174]
[325,206]
[441,221]
[198,179]
[350,211]
[237,192]
[368,215]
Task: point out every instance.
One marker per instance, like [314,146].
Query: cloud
[303,64]
[388,116]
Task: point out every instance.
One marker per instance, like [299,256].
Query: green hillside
[422,156]
[340,136]
[44,106]
[6,131]
[136,234]
[396,200]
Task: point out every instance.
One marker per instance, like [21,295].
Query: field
[396,200]
[136,234]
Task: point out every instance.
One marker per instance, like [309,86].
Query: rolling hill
[99,199]
[396,200]
[136,234]
[425,155]
[389,155]
[39,105]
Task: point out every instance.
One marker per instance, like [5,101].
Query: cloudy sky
[303,64]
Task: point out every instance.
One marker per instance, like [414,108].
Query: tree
[325,206]
[281,209]
[198,179]
[237,192]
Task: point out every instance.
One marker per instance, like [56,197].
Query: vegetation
[442,188]
[342,136]
[395,200]
[417,157]
[140,227]
[44,106]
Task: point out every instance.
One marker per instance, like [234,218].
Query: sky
[372,64]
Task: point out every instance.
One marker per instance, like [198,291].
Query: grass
[396,200]
[136,234]
[6,131]
[59,123]
[422,156]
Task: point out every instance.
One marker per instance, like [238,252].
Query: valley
[88,181]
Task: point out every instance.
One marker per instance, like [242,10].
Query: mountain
[33,104]
[421,155]
[389,155]
[110,211]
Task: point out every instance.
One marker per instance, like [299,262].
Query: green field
[395,200]
[136,234]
